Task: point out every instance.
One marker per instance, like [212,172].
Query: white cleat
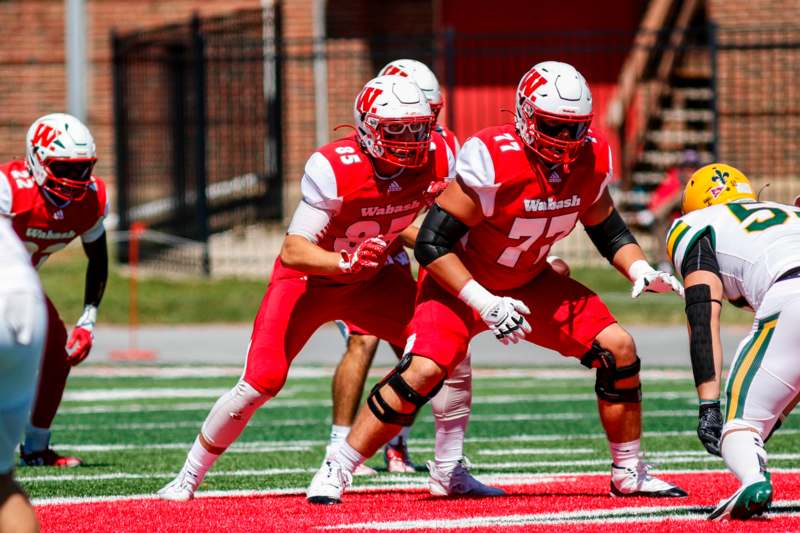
[328,484]
[459,482]
[180,489]
[638,482]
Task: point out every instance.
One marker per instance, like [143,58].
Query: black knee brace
[383,411]
[608,373]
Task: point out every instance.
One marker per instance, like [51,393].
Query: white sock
[451,409]
[199,461]
[400,437]
[741,451]
[348,457]
[36,439]
[338,435]
[625,454]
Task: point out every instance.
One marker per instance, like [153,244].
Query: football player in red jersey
[360,195]
[52,198]
[484,245]
[351,372]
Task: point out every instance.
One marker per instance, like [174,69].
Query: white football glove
[502,314]
[647,279]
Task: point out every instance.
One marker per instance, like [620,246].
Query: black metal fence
[216,118]
[198,128]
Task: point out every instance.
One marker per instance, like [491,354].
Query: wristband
[474,295]
[88,318]
[639,268]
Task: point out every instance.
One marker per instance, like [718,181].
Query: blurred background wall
[219,103]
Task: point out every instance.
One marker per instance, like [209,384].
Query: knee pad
[608,373]
[383,411]
[454,401]
[230,414]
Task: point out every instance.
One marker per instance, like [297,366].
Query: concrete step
[681,136]
[687,115]
[666,159]
[693,93]
[632,197]
[648,178]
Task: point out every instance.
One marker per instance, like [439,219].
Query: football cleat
[637,481]
[361,470]
[397,459]
[459,482]
[364,470]
[328,484]
[180,489]
[47,457]
[749,500]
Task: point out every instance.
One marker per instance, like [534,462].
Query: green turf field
[133,432]
[188,300]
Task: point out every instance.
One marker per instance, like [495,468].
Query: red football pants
[294,307]
[54,371]
[565,317]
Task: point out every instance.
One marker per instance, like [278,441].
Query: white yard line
[143,393]
[212,371]
[286,444]
[536,451]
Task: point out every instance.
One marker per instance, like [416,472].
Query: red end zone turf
[562,503]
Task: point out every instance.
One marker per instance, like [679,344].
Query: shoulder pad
[351,166]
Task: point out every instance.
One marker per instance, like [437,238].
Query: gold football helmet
[714,184]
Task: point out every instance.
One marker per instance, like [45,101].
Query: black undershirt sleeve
[700,256]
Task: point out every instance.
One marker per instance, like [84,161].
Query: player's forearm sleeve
[698,313]
[440,231]
[96,271]
[610,235]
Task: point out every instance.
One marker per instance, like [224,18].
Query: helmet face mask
[60,155]
[394,121]
[68,179]
[553,111]
[405,142]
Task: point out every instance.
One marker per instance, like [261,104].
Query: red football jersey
[340,179]
[449,137]
[527,205]
[42,226]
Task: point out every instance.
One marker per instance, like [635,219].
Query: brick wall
[33,72]
[759,89]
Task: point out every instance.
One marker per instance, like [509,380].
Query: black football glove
[709,426]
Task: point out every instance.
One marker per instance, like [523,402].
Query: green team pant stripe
[749,363]
[675,236]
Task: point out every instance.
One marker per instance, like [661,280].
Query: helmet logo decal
[392,70]
[45,135]
[367,98]
[721,178]
[532,81]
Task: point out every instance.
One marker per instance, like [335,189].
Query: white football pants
[765,375]
[23,326]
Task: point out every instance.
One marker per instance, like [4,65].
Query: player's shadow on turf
[417,468]
[553,494]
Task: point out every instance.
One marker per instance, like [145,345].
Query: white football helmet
[60,153]
[422,76]
[394,121]
[553,111]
